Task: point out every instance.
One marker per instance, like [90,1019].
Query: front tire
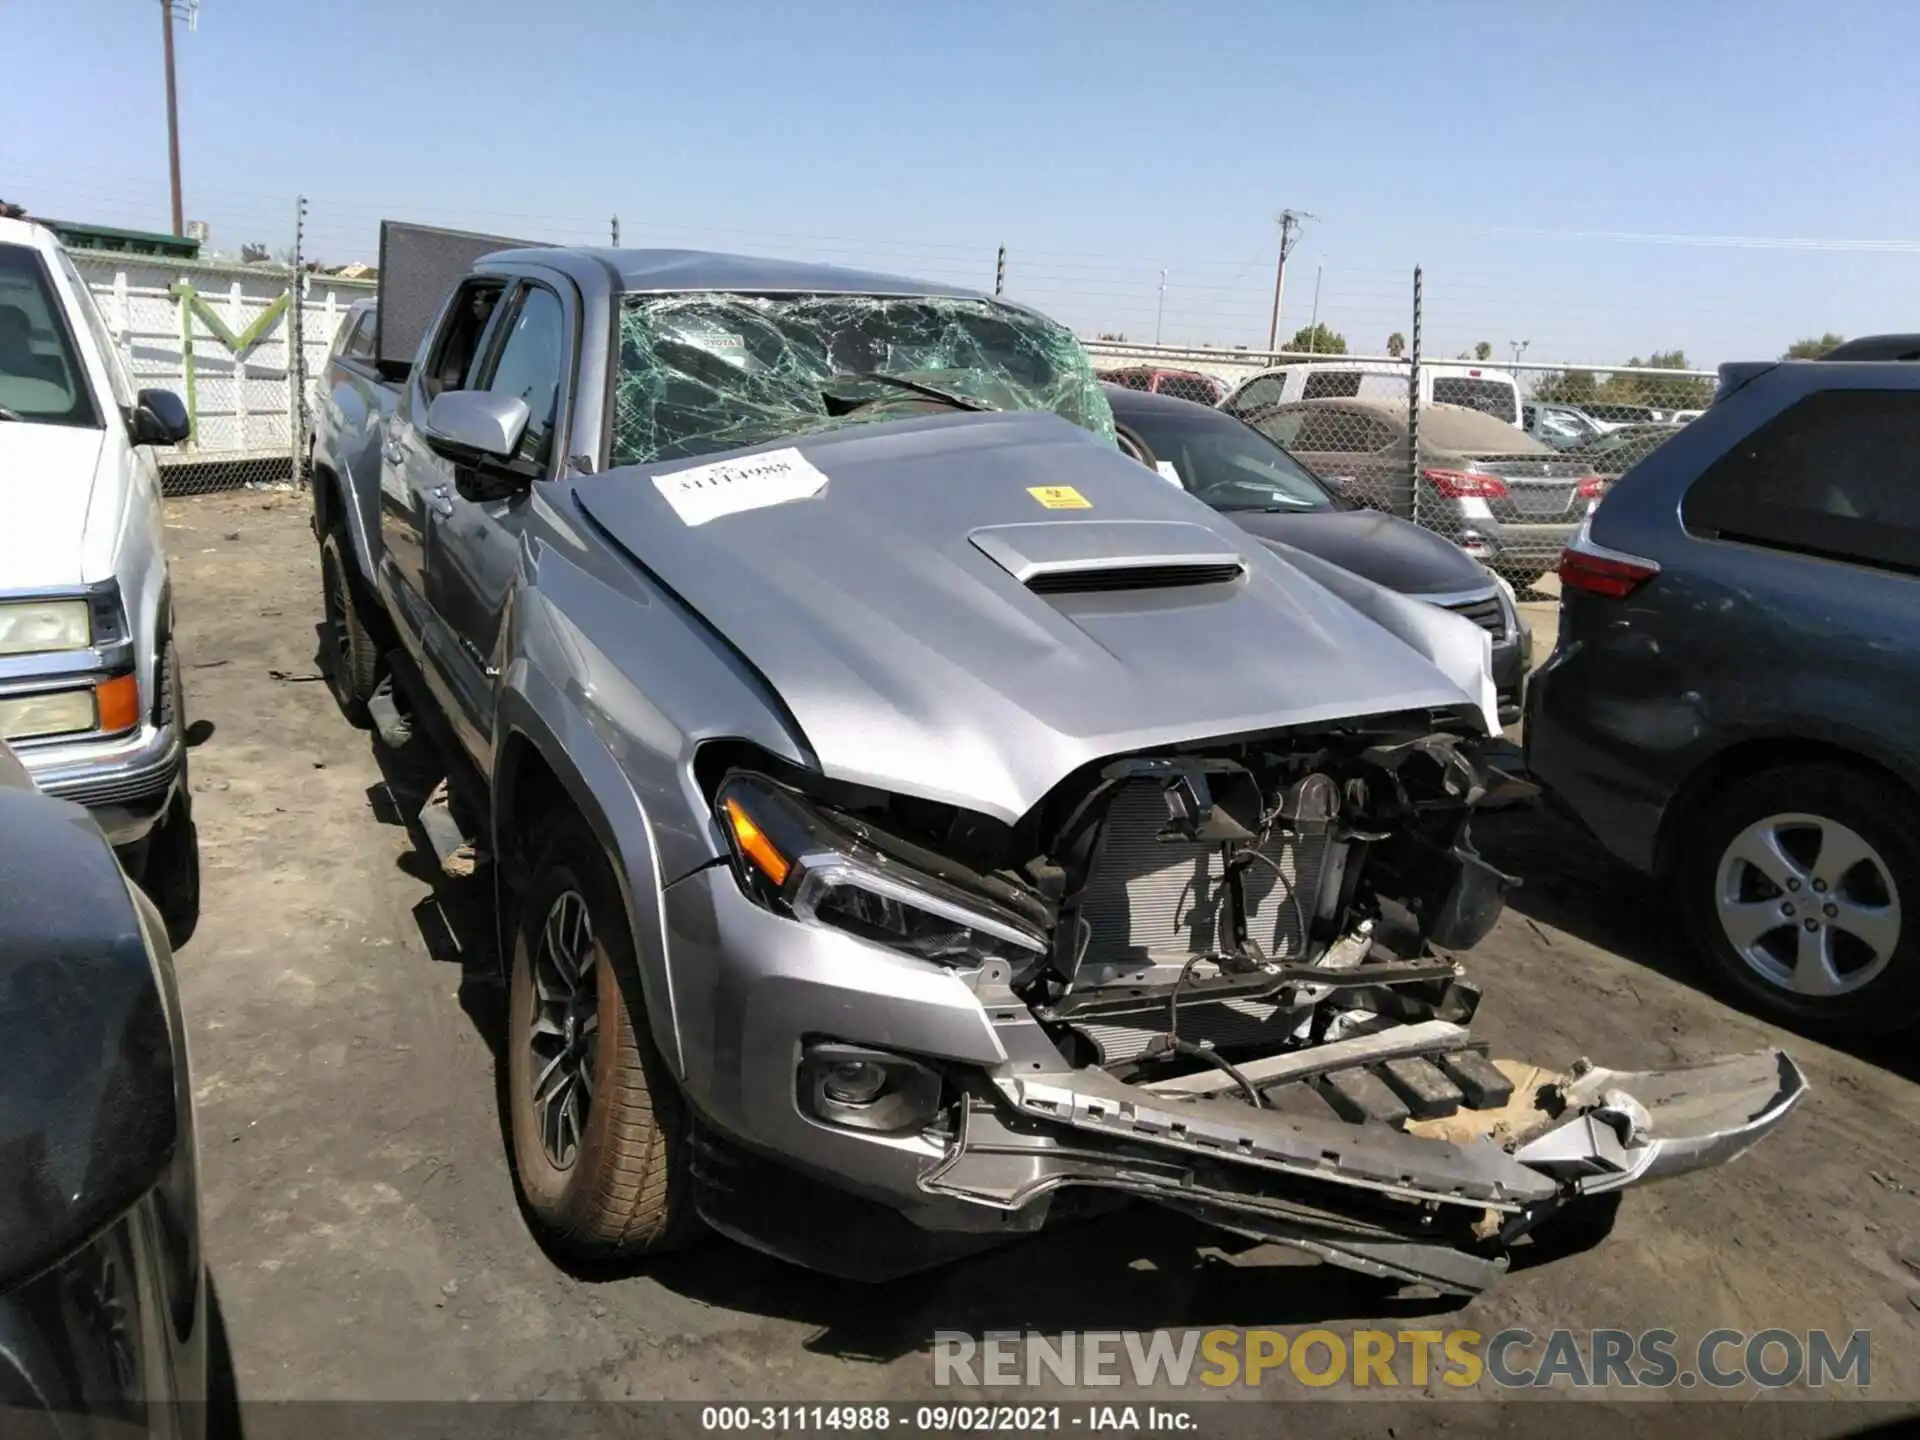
[1801,889]
[598,1124]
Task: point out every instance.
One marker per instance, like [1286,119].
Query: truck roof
[420,264]
[671,271]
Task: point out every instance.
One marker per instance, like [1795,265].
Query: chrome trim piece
[106,772]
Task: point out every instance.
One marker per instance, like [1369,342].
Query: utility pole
[1160,307]
[173,115]
[616,232]
[1290,222]
[1000,271]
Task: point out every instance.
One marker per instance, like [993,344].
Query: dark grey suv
[1734,699]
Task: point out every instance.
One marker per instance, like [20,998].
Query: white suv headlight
[30,627]
[58,712]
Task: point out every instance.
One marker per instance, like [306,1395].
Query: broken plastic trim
[707,372]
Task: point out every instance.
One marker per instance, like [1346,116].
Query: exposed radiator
[1149,900]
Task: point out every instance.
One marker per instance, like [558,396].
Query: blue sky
[1099,142]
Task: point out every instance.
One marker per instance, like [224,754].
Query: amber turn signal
[754,844]
[117,702]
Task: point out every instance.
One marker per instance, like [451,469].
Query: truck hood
[960,607]
[46,486]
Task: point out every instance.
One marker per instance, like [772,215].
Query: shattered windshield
[705,372]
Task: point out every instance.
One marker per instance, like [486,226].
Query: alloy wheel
[1808,904]
[565,1028]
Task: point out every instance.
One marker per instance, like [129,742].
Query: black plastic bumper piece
[794,1217]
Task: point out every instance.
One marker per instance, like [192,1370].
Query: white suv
[1442,382]
[90,696]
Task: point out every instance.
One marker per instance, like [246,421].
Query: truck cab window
[358,342]
[531,364]
[458,349]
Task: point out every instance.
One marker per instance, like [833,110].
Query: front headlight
[58,712]
[30,627]
[799,862]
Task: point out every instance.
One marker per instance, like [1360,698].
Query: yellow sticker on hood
[1059,497]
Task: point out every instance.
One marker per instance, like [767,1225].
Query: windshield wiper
[918,387]
[6,414]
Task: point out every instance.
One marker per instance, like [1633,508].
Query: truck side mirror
[159,418]
[473,426]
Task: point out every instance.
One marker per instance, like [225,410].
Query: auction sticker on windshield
[1059,497]
[726,487]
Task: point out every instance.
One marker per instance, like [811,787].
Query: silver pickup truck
[910,818]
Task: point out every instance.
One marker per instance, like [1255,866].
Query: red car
[1182,384]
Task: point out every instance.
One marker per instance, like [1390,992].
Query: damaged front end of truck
[1221,978]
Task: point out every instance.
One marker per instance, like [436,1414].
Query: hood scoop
[1077,557]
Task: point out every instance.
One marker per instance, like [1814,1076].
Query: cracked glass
[706,372]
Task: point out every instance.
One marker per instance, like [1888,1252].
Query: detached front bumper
[1436,1203]
[127,781]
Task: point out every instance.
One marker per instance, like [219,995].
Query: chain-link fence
[1503,458]
[242,345]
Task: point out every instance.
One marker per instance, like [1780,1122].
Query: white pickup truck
[90,697]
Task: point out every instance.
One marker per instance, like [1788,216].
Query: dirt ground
[361,1221]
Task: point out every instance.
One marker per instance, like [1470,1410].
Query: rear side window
[1832,475]
[1332,385]
[358,342]
[456,355]
[1489,397]
[1341,432]
[1266,390]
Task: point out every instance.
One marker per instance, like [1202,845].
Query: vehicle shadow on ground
[1138,1268]
[223,1390]
[1573,884]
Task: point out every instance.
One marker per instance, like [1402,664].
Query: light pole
[1290,221]
[1519,348]
[192,9]
[1160,307]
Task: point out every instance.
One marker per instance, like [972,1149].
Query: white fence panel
[220,335]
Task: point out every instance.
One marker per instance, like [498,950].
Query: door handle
[440,500]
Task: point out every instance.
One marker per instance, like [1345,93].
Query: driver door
[415,481]
[474,529]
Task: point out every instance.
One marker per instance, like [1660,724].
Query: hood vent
[1097,579]
[1087,557]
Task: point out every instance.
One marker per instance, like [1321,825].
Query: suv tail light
[1591,488]
[1597,570]
[1465,485]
